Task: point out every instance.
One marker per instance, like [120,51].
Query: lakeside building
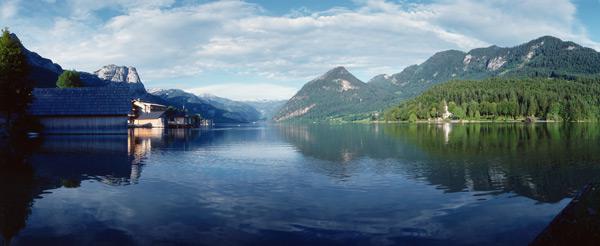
[152,115]
[82,110]
[148,115]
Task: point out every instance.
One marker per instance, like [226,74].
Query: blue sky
[267,49]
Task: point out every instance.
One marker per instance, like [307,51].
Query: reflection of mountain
[543,162]
[343,143]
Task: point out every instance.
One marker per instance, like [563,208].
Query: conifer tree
[15,87]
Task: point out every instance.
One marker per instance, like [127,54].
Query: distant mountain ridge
[220,110]
[338,93]
[267,108]
[542,57]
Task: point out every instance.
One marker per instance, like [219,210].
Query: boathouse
[155,119]
[82,110]
[179,119]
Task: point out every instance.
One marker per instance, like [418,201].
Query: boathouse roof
[151,115]
[87,101]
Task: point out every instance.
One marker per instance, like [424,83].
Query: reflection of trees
[29,168]
[18,188]
[15,203]
[543,162]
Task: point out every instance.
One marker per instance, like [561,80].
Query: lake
[424,184]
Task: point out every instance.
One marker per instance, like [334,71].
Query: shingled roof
[86,101]
[151,115]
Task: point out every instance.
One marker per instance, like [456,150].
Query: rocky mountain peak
[118,74]
[336,73]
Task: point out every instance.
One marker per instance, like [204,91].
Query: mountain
[336,93]
[246,112]
[41,70]
[220,110]
[267,108]
[543,57]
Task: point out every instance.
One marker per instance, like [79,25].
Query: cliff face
[119,74]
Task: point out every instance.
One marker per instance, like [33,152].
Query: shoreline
[474,121]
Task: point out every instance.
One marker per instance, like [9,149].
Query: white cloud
[238,38]
[247,92]
[9,9]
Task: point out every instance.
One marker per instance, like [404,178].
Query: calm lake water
[475,184]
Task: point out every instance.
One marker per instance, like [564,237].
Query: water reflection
[297,184]
[545,162]
[30,168]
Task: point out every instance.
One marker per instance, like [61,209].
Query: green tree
[554,112]
[493,108]
[459,113]
[532,107]
[433,112]
[412,118]
[452,107]
[69,79]
[473,109]
[15,87]
[513,108]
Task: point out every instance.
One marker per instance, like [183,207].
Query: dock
[578,223]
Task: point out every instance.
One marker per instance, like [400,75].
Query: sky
[267,49]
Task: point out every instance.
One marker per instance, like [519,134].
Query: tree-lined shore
[500,99]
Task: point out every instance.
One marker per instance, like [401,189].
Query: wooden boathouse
[82,110]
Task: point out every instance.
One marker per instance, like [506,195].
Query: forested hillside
[502,98]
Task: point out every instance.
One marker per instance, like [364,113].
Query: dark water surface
[487,184]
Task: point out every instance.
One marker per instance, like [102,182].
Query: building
[179,120]
[102,110]
[149,115]
[150,120]
[82,110]
[146,107]
[197,121]
[152,115]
